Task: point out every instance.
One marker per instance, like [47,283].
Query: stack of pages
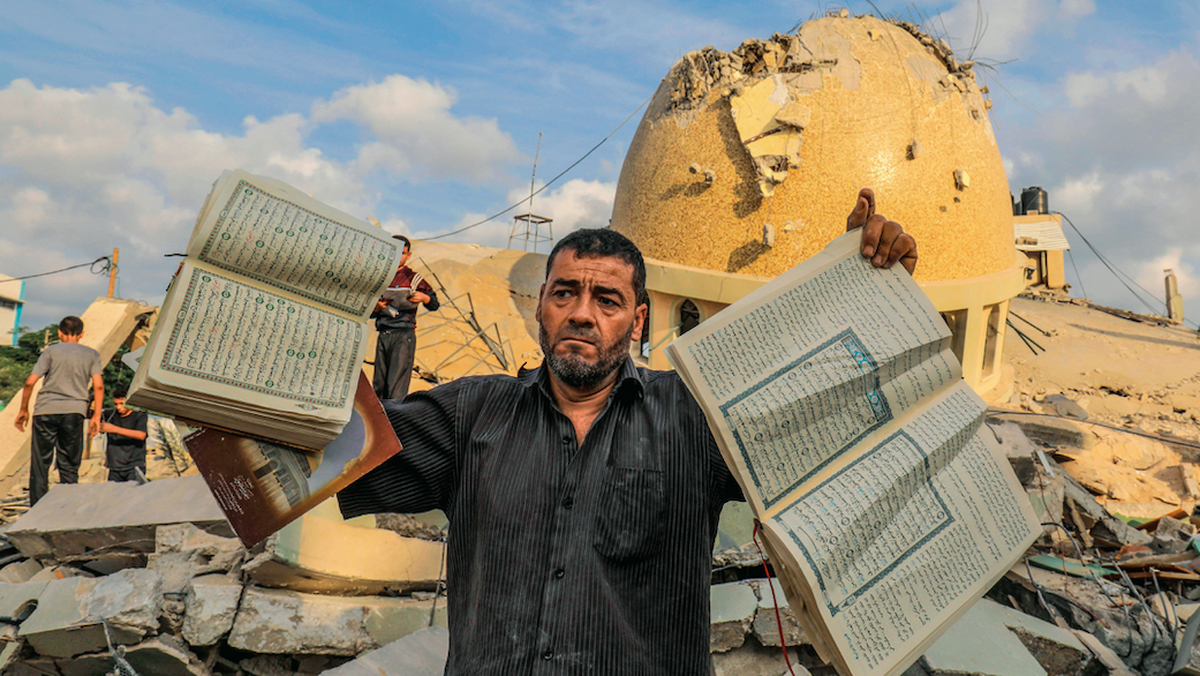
[264,329]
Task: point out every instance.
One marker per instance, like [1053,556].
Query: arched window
[689,317]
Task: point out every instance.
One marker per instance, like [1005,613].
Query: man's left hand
[883,241]
[94,427]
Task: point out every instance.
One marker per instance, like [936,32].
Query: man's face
[587,314]
[405,256]
[119,403]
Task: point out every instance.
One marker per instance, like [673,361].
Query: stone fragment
[754,659]
[1104,655]
[314,554]
[421,653]
[978,644]
[733,608]
[68,620]
[281,622]
[114,521]
[267,665]
[211,606]
[183,551]
[766,621]
[1064,406]
[21,571]
[159,656]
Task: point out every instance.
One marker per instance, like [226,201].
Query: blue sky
[115,117]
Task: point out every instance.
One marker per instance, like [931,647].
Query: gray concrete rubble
[422,653]
[112,521]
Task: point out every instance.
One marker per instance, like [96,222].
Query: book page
[243,343]
[894,543]
[274,234]
[813,362]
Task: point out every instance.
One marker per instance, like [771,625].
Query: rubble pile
[150,577]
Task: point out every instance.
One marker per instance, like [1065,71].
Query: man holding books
[125,452]
[62,406]
[396,320]
[583,495]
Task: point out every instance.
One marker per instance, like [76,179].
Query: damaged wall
[758,153]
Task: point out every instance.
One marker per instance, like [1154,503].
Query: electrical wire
[548,183]
[1119,274]
[104,269]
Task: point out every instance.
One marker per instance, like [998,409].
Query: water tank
[1035,200]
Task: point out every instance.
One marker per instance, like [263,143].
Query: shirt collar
[629,378]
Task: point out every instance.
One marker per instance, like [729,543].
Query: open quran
[264,329]
[887,506]
[262,487]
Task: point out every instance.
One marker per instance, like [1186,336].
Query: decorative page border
[834,609]
[879,404]
[385,275]
[337,402]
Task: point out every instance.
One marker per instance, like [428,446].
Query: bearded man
[583,495]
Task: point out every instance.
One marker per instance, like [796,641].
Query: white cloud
[1077,195]
[1150,84]
[416,131]
[1152,273]
[1008,27]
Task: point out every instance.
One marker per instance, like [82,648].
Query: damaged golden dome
[749,161]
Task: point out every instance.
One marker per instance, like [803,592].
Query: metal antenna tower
[528,226]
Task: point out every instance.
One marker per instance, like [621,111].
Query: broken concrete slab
[14,600]
[314,554]
[160,656]
[81,522]
[767,621]
[282,622]
[183,552]
[1104,655]
[211,607]
[978,644]
[733,606]
[422,653]
[1051,432]
[19,571]
[68,620]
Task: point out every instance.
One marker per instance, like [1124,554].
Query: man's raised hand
[883,241]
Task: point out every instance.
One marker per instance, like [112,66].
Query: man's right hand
[22,418]
[380,305]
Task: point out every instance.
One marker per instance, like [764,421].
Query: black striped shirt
[563,559]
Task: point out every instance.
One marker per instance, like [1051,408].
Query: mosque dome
[749,161]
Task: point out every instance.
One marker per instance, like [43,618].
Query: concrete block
[183,552]
[733,608]
[993,640]
[15,598]
[212,604]
[766,621]
[68,620]
[21,571]
[275,621]
[83,522]
[422,653]
[1107,658]
[160,656]
[313,554]
[387,624]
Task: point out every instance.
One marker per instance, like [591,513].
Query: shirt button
[558,574]
[566,441]
[568,502]
[548,655]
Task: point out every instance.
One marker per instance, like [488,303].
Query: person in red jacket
[397,325]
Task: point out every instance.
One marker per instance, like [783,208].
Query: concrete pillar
[1174,300]
[1056,270]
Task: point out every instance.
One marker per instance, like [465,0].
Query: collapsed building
[745,164]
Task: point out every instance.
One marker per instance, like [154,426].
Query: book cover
[261,486]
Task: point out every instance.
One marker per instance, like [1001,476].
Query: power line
[103,270]
[1116,272]
[548,183]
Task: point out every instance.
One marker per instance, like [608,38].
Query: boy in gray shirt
[61,407]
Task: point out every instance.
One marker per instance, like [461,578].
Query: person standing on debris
[62,406]
[397,326]
[125,452]
[583,495]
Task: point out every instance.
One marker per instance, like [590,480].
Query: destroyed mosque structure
[742,167]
